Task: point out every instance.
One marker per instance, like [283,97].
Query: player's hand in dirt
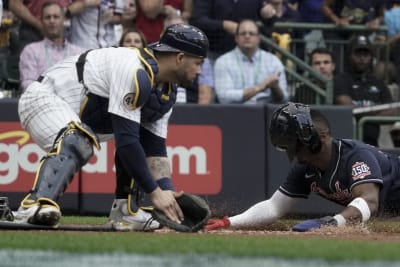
[164,200]
[309,225]
[214,224]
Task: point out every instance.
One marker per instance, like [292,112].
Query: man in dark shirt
[360,88]
[364,180]
[321,60]
[219,20]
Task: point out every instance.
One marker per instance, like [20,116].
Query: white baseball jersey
[48,106]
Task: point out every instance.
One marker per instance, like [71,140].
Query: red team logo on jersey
[359,170]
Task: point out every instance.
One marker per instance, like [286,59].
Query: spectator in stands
[247,74]
[395,134]
[392,21]
[358,87]
[8,32]
[321,60]
[151,14]
[282,11]
[219,20]
[36,57]
[92,22]
[28,11]
[201,90]
[345,12]
[309,12]
[132,38]
[129,14]
[279,11]
[1,11]
[354,12]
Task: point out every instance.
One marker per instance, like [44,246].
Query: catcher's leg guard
[73,148]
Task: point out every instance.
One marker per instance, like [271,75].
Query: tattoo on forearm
[159,167]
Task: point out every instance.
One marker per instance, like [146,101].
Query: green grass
[288,246]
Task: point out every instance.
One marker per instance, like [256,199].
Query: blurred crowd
[240,68]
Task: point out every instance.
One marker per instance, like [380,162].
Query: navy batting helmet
[182,38]
[292,127]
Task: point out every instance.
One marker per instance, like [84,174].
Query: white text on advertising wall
[184,154]
[15,158]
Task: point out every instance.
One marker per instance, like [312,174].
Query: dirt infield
[387,231]
[344,233]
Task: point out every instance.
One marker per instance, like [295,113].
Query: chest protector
[161,97]
[160,102]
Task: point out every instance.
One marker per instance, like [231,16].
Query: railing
[381,120]
[302,66]
[352,28]
[321,87]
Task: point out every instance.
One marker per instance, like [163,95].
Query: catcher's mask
[182,38]
[292,128]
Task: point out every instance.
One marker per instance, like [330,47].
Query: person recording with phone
[247,74]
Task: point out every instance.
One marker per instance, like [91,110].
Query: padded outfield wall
[221,152]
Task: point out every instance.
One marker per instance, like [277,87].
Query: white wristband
[362,205]
[341,221]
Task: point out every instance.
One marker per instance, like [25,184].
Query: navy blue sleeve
[365,167]
[131,153]
[153,145]
[298,181]
[202,10]
[341,85]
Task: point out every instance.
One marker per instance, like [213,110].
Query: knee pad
[72,150]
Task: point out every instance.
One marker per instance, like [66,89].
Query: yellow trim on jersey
[146,64]
[83,106]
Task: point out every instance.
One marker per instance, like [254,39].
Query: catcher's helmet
[182,38]
[292,127]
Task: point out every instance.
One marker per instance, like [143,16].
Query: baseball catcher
[115,92]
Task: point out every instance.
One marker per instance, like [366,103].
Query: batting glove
[214,224]
[314,224]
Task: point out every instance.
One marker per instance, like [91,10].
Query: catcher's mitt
[195,211]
